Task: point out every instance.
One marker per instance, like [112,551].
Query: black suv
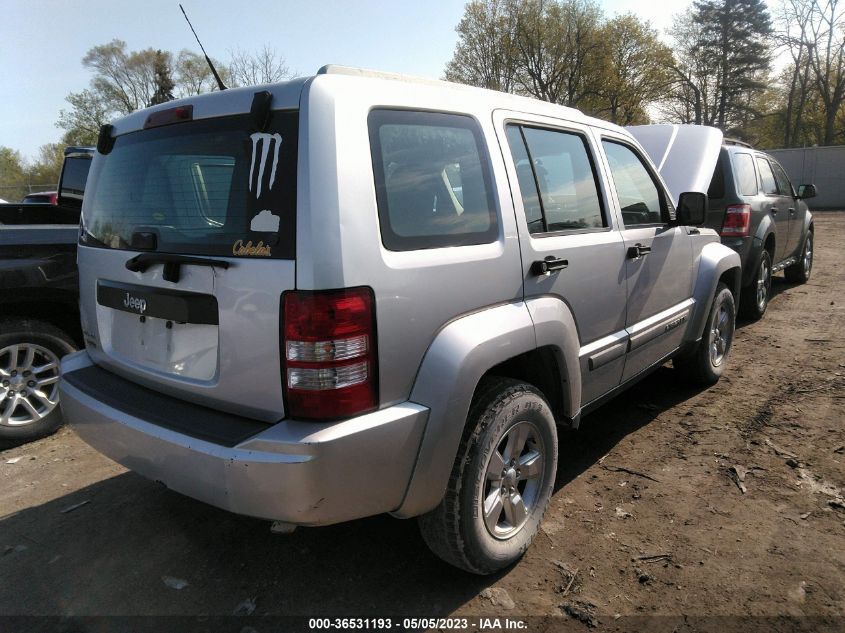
[760,216]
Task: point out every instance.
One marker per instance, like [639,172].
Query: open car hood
[685,155]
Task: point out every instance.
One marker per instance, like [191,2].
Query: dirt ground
[648,517]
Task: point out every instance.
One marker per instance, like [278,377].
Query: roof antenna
[220,83]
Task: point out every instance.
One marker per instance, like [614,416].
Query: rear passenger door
[658,265]
[776,205]
[565,223]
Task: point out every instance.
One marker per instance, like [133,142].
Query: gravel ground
[648,517]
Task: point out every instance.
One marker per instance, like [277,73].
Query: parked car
[39,303]
[357,293]
[755,209]
[42,197]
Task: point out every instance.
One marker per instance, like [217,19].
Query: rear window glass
[432,181]
[746,178]
[210,187]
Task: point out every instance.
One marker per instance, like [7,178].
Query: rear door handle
[774,210]
[549,265]
[791,211]
[635,252]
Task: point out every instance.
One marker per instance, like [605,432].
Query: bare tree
[794,20]
[826,27]
[694,73]
[265,67]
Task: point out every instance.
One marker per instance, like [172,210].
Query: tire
[754,298]
[706,362]
[505,414]
[29,372]
[799,272]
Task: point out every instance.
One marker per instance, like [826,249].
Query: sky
[43,42]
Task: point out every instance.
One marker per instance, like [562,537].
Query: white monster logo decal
[265,141]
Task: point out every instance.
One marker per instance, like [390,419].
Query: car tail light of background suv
[329,353]
[737,221]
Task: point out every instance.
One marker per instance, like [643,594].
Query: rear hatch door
[188,238]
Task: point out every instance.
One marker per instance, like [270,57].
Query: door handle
[791,211]
[549,265]
[635,252]
[774,210]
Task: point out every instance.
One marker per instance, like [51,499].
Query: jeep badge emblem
[133,303]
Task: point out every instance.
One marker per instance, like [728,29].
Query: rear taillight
[737,221]
[329,353]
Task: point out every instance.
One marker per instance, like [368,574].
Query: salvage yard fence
[821,166]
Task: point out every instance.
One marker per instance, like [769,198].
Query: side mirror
[692,209]
[806,191]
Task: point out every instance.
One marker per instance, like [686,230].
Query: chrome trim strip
[659,324]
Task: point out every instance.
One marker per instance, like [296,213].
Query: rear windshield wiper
[172,263]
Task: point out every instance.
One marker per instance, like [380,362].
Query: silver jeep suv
[357,293]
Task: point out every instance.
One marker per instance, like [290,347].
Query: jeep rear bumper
[298,472]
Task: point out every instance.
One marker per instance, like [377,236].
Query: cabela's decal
[265,141]
[250,250]
[265,222]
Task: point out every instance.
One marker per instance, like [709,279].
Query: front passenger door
[658,266]
[777,206]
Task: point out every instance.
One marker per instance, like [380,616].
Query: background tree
[826,54]
[12,175]
[264,67]
[484,56]
[19,178]
[163,79]
[557,49]
[635,73]
[89,110]
[733,33]
[194,77]
[792,36]
[722,58]
[125,81]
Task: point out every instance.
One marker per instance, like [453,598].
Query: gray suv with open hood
[751,203]
[358,293]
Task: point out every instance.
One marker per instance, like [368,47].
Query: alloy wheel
[513,481]
[29,384]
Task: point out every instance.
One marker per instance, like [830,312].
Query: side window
[527,184]
[746,177]
[767,178]
[433,185]
[559,164]
[784,185]
[639,196]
